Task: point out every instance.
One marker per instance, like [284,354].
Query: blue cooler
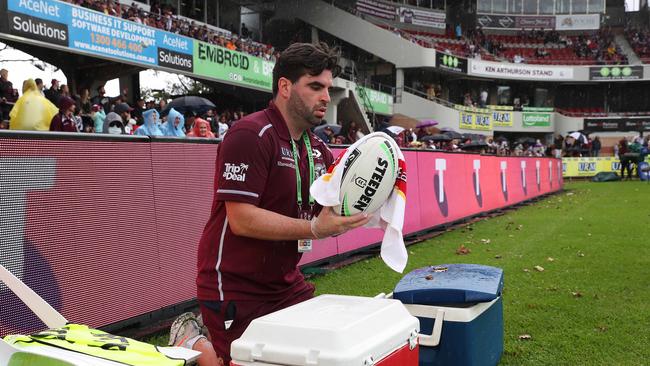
[460,311]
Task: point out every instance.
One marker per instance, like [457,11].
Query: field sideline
[590,305]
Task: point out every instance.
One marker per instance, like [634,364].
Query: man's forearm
[254,222]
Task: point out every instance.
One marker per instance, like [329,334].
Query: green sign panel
[536,119]
[538,109]
[233,67]
[381,103]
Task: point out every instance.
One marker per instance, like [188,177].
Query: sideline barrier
[588,167]
[106,228]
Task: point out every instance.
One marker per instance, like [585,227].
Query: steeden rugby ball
[369,175]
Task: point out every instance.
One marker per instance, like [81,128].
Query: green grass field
[591,303]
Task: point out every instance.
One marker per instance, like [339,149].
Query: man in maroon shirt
[263,217]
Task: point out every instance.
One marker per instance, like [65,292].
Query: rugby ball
[369,175]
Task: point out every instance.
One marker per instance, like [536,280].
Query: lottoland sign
[232,66]
[536,119]
[381,103]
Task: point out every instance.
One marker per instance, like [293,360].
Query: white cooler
[331,330]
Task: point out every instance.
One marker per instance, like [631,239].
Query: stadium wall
[105,228]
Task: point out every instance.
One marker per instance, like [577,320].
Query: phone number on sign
[115,42]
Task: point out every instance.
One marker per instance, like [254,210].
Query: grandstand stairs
[348,105]
[358,32]
[627,50]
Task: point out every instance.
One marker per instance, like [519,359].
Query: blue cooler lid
[450,283]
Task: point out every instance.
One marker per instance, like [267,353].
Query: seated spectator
[7,94]
[98,116]
[64,121]
[53,94]
[101,99]
[113,125]
[174,125]
[32,111]
[150,125]
[223,126]
[201,128]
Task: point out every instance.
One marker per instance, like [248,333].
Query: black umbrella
[440,137]
[453,135]
[190,103]
[474,145]
[526,140]
[335,128]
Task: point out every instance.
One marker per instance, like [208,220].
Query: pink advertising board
[100,227]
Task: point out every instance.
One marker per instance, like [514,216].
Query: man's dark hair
[38,81]
[305,58]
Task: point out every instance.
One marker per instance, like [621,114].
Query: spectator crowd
[57,109]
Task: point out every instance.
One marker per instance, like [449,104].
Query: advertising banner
[496,21]
[618,72]
[475,121]
[380,103]
[44,174]
[425,18]
[451,63]
[377,9]
[558,22]
[617,124]
[535,22]
[519,71]
[88,31]
[501,107]
[588,167]
[501,118]
[530,119]
[537,109]
[577,22]
[232,66]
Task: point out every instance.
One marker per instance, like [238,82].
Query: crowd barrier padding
[106,229]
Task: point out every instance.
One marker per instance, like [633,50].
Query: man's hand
[327,223]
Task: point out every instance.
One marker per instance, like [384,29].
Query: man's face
[71,109]
[309,98]
[102,91]
[177,121]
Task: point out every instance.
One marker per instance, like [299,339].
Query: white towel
[390,217]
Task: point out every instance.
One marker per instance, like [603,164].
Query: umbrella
[579,137]
[440,137]
[453,134]
[526,140]
[474,145]
[426,123]
[403,121]
[189,103]
[335,128]
[395,129]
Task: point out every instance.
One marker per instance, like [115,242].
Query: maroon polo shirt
[255,165]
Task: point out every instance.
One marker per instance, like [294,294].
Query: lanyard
[310,158]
